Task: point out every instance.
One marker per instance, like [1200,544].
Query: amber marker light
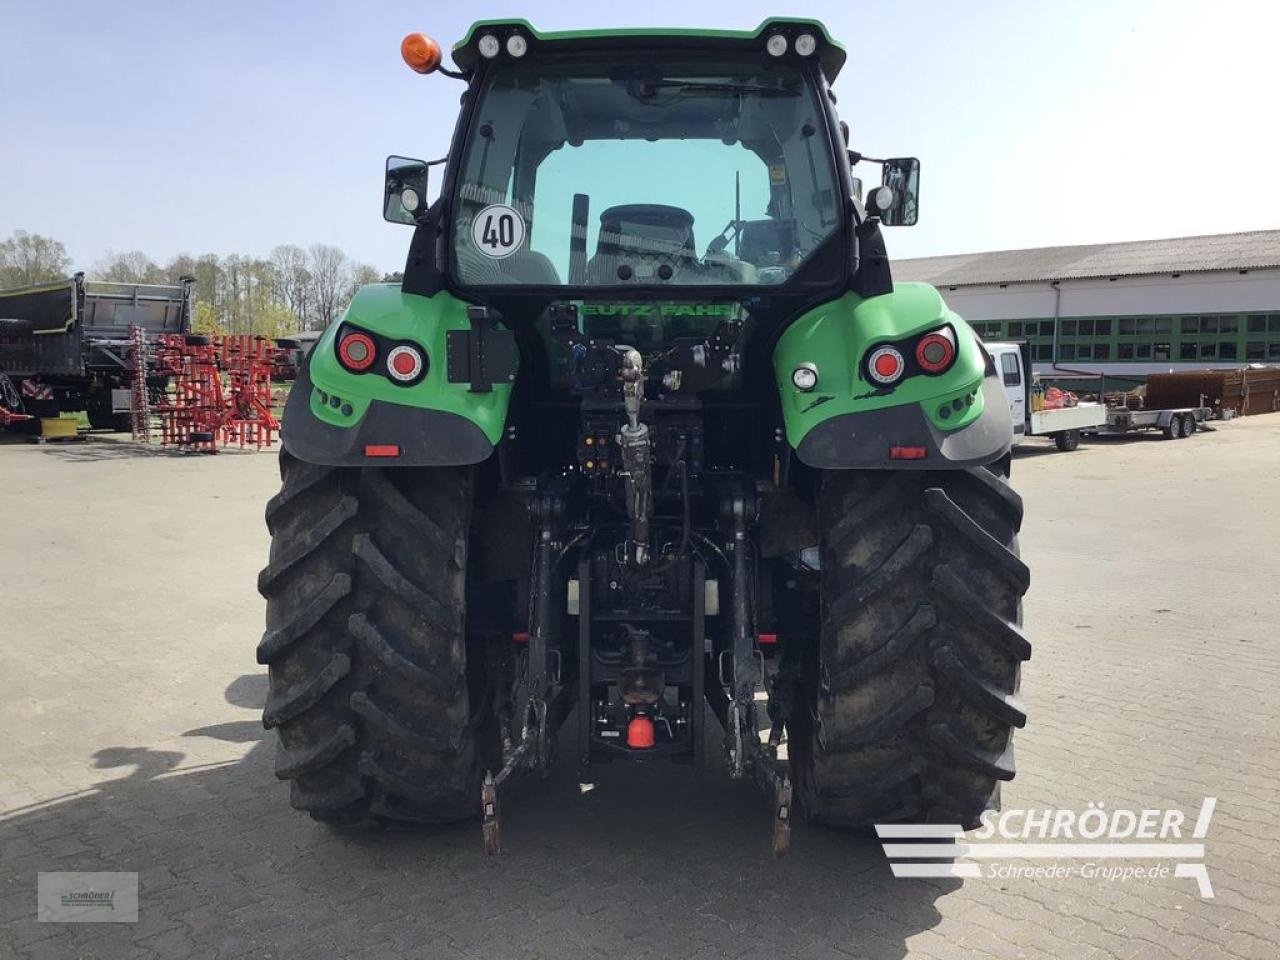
[420,52]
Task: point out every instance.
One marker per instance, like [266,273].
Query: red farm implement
[221,391]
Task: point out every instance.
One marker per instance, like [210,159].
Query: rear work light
[936,351]
[886,365]
[357,352]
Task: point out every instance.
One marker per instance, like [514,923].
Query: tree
[360,275]
[29,258]
[134,266]
[275,320]
[204,319]
[330,279]
[293,279]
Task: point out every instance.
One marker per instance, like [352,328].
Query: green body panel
[837,335]
[385,309]
[832,53]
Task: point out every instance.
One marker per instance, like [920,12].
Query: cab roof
[830,54]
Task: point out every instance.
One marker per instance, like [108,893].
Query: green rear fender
[338,417]
[954,419]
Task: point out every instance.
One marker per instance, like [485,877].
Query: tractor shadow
[659,861]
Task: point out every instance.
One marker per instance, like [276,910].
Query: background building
[1122,309]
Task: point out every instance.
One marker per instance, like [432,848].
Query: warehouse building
[1122,309]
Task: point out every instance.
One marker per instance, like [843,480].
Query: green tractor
[646,436]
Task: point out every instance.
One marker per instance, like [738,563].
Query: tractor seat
[642,236]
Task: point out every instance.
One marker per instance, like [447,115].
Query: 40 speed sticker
[498,231]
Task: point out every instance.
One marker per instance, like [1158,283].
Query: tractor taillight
[357,352]
[936,351]
[404,364]
[886,365]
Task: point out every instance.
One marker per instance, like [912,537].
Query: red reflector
[908,453]
[768,638]
[640,733]
[381,450]
[520,637]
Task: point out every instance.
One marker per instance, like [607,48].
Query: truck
[65,346]
[648,437]
[1063,424]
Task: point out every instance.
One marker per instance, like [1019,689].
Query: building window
[1190,324]
[1227,350]
[1068,328]
[1015,328]
[1273,351]
[1128,326]
[1144,351]
[1046,328]
[1229,325]
[1208,351]
[1102,351]
[1044,351]
[1146,324]
[1164,325]
[1187,351]
[1086,328]
[1066,351]
[1164,351]
[1102,326]
[1273,322]
[1255,350]
[1084,352]
[1208,324]
[1257,323]
[1126,351]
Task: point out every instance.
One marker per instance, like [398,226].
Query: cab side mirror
[404,194]
[902,176]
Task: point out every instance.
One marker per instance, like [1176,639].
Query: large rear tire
[912,691]
[379,710]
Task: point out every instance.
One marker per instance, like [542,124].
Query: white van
[1013,363]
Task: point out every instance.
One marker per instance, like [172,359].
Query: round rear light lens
[935,352]
[886,365]
[404,364]
[806,44]
[517,45]
[776,45]
[489,46]
[356,351]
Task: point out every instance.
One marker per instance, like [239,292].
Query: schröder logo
[1093,844]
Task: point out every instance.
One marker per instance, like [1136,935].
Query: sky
[231,127]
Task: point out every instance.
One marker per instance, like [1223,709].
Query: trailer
[1174,423]
[1065,425]
[66,346]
